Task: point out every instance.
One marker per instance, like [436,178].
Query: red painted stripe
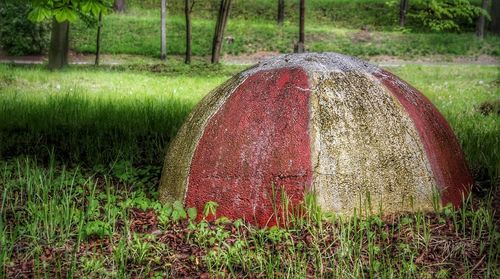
[441,146]
[259,137]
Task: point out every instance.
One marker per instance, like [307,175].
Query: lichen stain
[365,145]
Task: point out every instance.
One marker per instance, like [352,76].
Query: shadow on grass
[79,130]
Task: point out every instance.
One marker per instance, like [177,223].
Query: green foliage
[67,10]
[97,228]
[18,35]
[210,208]
[340,13]
[443,15]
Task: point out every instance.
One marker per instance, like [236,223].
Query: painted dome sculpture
[320,122]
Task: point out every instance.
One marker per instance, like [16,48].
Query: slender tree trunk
[281,11]
[403,9]
[163,52]
[98,40]
[222,17]
[495,17]
[481,20]
[59,45]
[120,6]
[300,47]
[187,11]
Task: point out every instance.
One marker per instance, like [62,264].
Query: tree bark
[495,17]
[300,47]
[281,11]
[220,26]
[59,45]
[187,11]
[98,40]
[481,21]
[163,51]
[120,6]
[403,9]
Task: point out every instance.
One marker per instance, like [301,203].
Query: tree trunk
[481,20]
[222,17]
[403,9]
[300,47]
[187,11]
[120,6]
[163,52]
[59,45]
[98,40]
[281,11]
[495,17]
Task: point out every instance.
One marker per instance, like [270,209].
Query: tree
[220,26]
[62,13]
[299,47]
[98,40]
[495,17]
[18,35]
[449,15]
[120,6]
[481,20]
[281,11]
[163,52]
[59,44]
[188,8]
[403,8]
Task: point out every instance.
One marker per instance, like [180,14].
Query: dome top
[325,62]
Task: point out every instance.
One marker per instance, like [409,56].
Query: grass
[80,156]
[58,222]
[330,26]
[140,35]
[336,13]
[92,116]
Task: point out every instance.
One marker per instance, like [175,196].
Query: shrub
[18,35]
[443,15]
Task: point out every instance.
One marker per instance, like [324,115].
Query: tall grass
[94,116]
[59,223]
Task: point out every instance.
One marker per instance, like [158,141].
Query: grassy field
[81,152]
[330,26]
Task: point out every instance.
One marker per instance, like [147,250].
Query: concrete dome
[326,123]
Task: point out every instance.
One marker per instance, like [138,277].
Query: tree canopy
[67,10]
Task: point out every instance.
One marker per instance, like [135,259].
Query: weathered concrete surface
[326,123]
[443,150]
[175,173]
[365,145]
[257,139]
